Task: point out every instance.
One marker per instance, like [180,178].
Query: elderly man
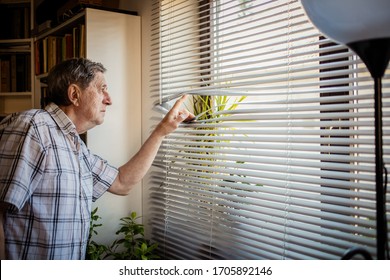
[49,178]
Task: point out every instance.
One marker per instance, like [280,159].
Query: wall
[143,7]
[114,40]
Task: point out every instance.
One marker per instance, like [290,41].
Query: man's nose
[107,99]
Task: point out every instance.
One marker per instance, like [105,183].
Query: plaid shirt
[49,178]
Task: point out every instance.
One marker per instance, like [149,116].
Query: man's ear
[74,94]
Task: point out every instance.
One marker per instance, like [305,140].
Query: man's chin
[94,124]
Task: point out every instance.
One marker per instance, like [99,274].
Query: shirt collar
[62,120]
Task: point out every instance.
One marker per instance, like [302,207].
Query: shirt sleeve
[21,160]
[103,174]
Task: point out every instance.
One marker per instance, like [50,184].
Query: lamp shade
[349,21]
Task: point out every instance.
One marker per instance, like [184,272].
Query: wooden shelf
[60,27]
[10,94]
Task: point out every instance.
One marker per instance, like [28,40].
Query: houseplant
[131,243]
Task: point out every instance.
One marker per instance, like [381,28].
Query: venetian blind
[280,163]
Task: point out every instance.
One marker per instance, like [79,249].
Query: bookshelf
[16,59]
[64,41]
[54,45]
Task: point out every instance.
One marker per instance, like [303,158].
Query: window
[280,164]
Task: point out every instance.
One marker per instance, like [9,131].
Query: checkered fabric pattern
[49,178]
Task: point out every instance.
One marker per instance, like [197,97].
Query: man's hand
[174,117]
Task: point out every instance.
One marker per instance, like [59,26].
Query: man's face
[94,101]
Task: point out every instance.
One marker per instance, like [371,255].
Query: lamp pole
[379,166]
[375,53]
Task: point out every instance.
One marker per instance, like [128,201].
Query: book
[13,70]
[16,18]
[5,76]
[82,40]
[76,41]
[37,57]
[23,74]
[44,56]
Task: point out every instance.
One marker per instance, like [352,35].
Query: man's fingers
[182,116]
[179,102]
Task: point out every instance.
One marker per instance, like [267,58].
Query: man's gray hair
[79,71]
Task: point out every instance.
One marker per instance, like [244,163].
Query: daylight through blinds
[279,163]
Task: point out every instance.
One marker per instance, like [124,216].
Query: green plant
[131,244]
[212,107]
[95,251]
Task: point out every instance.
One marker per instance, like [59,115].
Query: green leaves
[130,244]
[94,250]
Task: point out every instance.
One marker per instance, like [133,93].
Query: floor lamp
[363,26]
